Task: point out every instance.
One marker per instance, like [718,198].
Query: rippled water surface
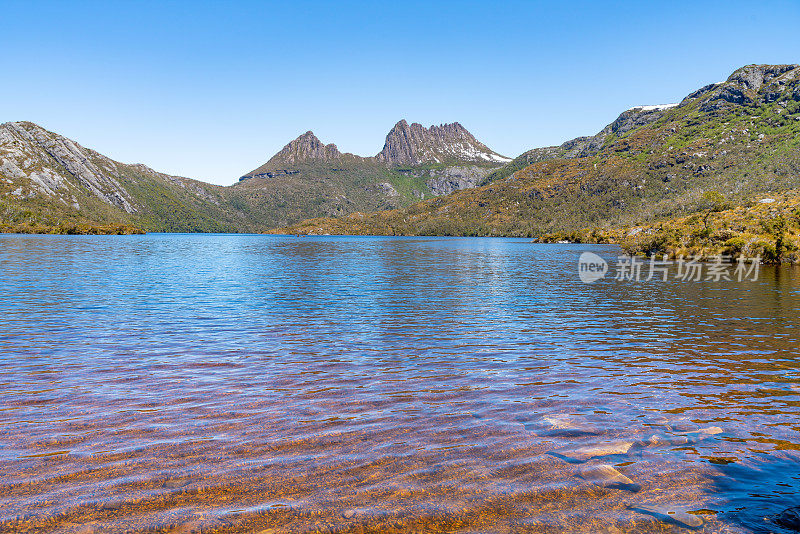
[216,383]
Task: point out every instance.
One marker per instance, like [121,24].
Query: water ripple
[268,384]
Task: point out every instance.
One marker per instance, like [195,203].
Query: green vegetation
[70,229]
[770,231]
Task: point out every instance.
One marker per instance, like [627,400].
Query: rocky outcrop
[269,174]
[626,122]
[746,86]
[306,147]
[451,179]
[388,189]
[50,180]
[43,163]
[413,144]
[754,77]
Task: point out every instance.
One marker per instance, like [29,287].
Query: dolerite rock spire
[413,144]
[306,147]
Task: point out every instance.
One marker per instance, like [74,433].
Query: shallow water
[232,383]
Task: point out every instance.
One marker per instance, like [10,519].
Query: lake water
[239,383]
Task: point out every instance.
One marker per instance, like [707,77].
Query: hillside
[51,183]
[740,138]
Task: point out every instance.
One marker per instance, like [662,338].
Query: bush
[734,246]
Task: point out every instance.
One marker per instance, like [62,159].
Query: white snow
[767,200]
[495,157]
[467,151]
[657,107]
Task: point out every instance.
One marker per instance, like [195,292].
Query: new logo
[591,267]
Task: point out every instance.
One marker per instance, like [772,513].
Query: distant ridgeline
[739,138]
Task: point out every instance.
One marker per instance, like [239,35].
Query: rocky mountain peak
[413,144]
[306,147]
[748,85]
[753,77]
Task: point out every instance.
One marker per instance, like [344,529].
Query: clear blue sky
[211,90]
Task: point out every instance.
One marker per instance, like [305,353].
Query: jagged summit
[306,147]
[406,145]
[413,144]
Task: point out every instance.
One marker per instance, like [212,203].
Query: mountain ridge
[413,144]
[306,146]
[740,138]
[310,178]
[405,145]
[50,181]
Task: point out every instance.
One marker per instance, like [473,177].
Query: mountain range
[48,181]
[739,138]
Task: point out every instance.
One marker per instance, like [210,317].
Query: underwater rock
[677,441]
[682,427]
[653,441]
[670,514]
[680,438]
[565,425]
[582,454]
[608,476]
[701,434]
[176,483]
[789,518]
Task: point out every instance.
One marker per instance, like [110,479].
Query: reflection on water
[273,384]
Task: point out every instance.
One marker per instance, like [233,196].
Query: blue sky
[211,90]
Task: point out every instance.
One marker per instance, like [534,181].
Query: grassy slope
[174,206]
[163,206]
[329,188]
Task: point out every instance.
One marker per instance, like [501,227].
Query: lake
[247,383]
